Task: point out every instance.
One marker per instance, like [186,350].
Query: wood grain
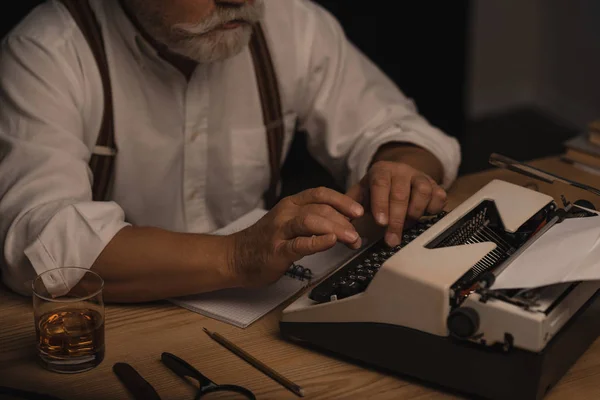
[139,334]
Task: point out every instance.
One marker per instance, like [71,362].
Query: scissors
[142,389]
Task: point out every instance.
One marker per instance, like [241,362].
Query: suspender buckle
[104,151]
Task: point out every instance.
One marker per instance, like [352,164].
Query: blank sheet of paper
[568,252]
[241,307]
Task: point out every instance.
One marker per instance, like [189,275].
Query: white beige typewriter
[427,308]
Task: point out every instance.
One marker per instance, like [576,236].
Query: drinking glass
[69,319]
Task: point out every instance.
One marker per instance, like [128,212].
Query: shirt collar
[132,37]
[135,40]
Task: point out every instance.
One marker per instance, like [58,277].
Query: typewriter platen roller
[427,309]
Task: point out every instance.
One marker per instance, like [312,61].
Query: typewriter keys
[356,276]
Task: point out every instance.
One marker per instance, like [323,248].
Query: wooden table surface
[137,334]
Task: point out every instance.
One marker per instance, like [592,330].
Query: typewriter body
[427,309]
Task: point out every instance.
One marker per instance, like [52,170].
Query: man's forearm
[147,264]
[414,156]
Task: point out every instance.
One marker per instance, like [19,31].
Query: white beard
[212,47]
[200,42]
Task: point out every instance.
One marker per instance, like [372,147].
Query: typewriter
[427,309]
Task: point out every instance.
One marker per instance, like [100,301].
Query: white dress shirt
[192,154]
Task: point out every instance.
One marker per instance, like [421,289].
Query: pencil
[255,363]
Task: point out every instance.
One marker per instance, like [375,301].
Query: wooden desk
[138,334]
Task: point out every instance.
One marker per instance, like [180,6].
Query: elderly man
[192,154]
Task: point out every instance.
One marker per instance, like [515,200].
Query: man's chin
[217,46]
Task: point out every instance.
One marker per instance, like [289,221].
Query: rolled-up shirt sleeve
[349,108]
[47,216]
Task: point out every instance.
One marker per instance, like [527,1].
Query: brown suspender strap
[101,164]
[271,108]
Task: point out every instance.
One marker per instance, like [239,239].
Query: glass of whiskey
[69,319]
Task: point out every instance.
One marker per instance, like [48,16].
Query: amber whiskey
[71,340]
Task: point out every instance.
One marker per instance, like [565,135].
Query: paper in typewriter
[568,252]
[242,307]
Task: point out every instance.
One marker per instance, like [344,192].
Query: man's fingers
[380,183]
[313,224]
[329,213]
[356,193]
[322,195]
[399,201]
[438,200]
[334,216]
[360,191]
[304,246]
[420,196]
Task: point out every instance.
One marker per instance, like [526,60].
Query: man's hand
[300,225]
[397,192]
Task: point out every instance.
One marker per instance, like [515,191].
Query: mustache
[223,15]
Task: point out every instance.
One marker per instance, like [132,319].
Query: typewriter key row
[355,277]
